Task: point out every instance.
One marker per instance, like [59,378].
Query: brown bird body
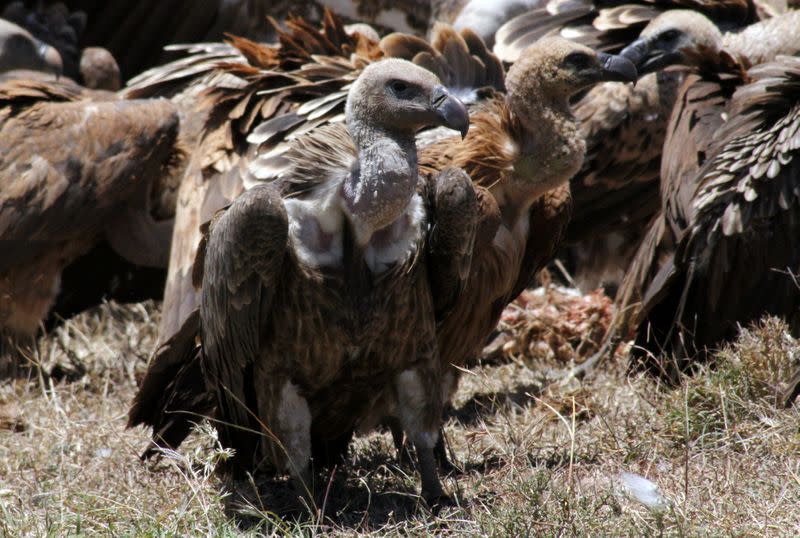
[729,220]
[315,290]
[616,193]
[521,151]
[78,169]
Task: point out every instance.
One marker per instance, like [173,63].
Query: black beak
[617,68]
[450,110]
[647,58]
[636,52]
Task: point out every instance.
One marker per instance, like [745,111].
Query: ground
[541,454]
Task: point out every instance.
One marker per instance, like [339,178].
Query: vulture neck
[551,151]
[382,183]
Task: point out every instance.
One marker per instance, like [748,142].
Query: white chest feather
[316,227]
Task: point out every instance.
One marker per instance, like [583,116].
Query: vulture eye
[670,35]
[399,88]
[578,60]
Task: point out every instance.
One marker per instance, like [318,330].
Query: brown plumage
[136,33]
[315,297]
[616,193]
[298,85]
[78,169]
[728,172]
[521,151]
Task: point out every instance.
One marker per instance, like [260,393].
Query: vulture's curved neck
[551,150]
[383,181]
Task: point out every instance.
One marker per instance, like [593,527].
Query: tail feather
[173,395]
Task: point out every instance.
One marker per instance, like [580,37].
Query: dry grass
[539,458]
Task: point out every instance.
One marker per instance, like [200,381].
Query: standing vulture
[521,151]
[78,168]
[729,188]
[506,166]
[315,296]
[616,193]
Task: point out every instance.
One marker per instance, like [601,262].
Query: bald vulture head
[400,98]
[554,69]
[390,101]
[20,50]
[668,38]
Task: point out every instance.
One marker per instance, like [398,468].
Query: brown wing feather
[549,217]
[742,221]
[452,239]
[173,394]
[245,253]
[624,126]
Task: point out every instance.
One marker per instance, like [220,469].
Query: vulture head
[668,38]
[401,98]
[389,102]
[99,70]
[20,50]
[554,69]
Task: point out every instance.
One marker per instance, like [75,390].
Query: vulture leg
[420,411]
[292,421]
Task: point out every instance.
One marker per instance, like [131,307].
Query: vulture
[315,295]
[616,192]
[19,50]
[58,31]
[721,253]
[78,168]
[515,193]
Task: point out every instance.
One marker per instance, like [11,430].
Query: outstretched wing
[244,255]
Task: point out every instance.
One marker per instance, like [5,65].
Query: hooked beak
[450,110]
[647,58]
[51,58]
[617,68]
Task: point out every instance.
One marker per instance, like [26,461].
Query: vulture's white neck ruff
[377,199]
